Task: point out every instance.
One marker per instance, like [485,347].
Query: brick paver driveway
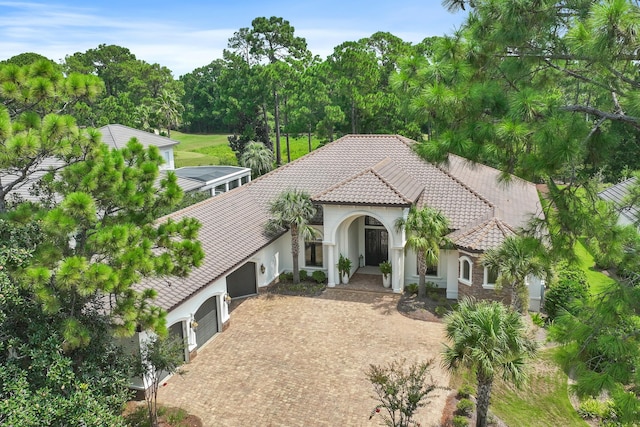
[295,361]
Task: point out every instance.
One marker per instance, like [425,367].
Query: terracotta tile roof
[383,184]
[233,223]
[485,235]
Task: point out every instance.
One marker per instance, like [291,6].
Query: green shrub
[319,276]
[537,319]
[433,295]
[464,407]
[430,286]
[282,277]
[411,289]
[441,310]
[568,293]
[460,421]
[596,409]
[465,391]
[304,275]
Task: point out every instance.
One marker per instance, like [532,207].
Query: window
[244,180]
[313,252]
[369,220]
[432,270]
[465,270]
[234,184]
[490,278]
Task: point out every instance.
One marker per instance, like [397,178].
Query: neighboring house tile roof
[485,235]
[233,223]
[117,136]
[617,195]
[383,184]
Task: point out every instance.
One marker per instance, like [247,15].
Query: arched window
[313,251]
[490,278]
[464,274]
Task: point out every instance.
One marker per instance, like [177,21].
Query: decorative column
[397,275]
[330,264]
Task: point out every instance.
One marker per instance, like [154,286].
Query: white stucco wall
[411,269]
[169,162]
[185,312]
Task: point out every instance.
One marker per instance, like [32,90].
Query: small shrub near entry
[319,276]
[304,275]
[441,310]
[411,289]
[464,407]
[460,421]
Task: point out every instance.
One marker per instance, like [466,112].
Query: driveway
[296,361]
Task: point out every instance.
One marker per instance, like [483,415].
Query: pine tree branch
[633,121]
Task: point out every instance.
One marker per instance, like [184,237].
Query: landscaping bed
[429,309]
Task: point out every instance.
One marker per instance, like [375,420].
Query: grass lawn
[598,281]
[213,149]
[543,401]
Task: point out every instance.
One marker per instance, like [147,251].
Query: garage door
[207,319]
[176,332]
[242,282]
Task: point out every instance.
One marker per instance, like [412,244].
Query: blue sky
[183,35]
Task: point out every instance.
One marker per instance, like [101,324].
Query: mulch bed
[425,308]
[306,288]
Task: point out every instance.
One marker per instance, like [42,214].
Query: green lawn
[213,149]
[598,282]
[543,401]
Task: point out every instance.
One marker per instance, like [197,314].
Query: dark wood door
[376,242]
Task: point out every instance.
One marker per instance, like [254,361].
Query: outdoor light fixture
[262,268]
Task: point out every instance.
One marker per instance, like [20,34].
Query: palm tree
[293,209]
[258,158]
[487,338]
[515,259]
[426,229]
[169,109]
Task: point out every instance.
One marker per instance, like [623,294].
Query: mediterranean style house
[361,184]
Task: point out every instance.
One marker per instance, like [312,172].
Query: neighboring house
[361,185]
[117,136]
[617,194]
[214,179]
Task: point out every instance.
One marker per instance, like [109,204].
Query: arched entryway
[366,236]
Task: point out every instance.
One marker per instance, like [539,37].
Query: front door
[376,242]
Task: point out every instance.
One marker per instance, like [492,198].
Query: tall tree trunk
[422,272]
[265,124]
[286,126]
[309,137]
[482,401]
[353,116]
[277,120]
[295,249]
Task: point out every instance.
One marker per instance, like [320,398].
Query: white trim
[461,279]
[485,283]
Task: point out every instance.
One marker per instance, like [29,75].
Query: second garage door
[207,319]
[242,282]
